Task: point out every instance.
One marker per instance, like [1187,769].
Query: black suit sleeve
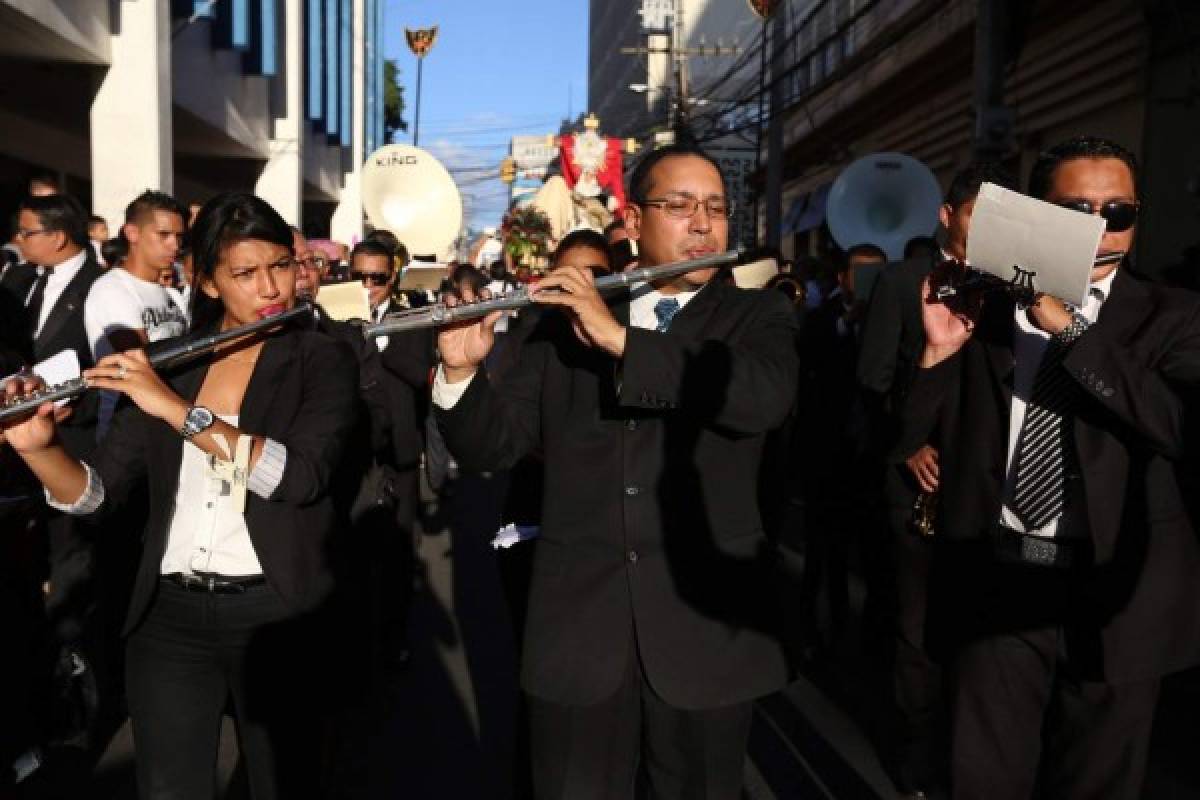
[323,424]
[1146,395]
[928,394]
[409,356]
[121,462]
[881,334]
[746,386]
[493,427]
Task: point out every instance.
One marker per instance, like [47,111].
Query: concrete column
[347,222]
[282,180]
[131,114]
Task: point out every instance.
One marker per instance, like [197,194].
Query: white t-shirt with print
[120,301]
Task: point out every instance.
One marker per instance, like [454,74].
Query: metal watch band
[1068,335]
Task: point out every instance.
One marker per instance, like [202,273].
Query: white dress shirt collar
[642,299]
[60,277]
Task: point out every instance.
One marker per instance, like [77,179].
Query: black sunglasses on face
[1119,215]
[373,278]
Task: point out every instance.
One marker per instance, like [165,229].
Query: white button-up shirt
[1029,345]
[61,275]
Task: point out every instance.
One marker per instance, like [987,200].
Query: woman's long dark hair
[224,221]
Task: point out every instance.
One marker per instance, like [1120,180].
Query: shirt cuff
[445,394]
[91,499]
[267,473]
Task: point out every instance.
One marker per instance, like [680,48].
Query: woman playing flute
[237,451]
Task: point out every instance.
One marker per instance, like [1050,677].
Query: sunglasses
[1119,215]
[372,278]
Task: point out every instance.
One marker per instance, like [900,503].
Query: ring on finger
[121,371]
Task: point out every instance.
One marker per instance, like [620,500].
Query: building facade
[693,61]
[279,97]
[864,76]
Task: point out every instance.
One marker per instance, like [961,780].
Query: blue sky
[499,68]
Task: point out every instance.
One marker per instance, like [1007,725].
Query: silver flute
[440,314]
[162,355]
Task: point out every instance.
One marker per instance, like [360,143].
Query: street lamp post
[420,42]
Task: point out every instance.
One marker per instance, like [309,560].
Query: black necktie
[33,305]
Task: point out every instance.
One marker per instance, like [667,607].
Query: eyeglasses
[314,262]
[25,233]
[1118,215]
[372,278]
[683,206]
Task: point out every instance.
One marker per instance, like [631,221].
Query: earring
[633,247]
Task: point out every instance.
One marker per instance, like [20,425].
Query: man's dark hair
[114,251]
[223,221]
[45,179]
[616,225]
[1041,175]
[466,275]
[863,249]
[965,184]
[96,219]
[926,243]
[372,247]
[639,180]
[498,271]
[59,213]
[149,201]
[383,237]
[585,237]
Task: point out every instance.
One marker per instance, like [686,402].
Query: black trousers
[594,752]
[918,755]
[197,652]
[1021,721]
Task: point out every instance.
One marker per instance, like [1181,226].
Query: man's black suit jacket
[893,335]
[1136,613]
[650,524]
[64,330]
[303,394]
[407,361]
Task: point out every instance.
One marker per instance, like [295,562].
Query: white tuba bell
[407,191]
[884,199]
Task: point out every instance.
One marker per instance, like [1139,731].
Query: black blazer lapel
[270,373]
[71,302]
[693,317]
[1124,308]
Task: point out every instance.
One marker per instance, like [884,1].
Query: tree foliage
[393,101]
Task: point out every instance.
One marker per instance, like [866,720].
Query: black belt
[213,583]
[1024,548]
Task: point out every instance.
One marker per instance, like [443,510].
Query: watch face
[199,418]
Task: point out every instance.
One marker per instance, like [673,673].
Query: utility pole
[679,108]
[993,119]
[774,183]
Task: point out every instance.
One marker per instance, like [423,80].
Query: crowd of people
[1008,476]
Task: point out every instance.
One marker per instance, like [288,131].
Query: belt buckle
[1043,552]
[191,582]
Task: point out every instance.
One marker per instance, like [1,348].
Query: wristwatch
[198,420]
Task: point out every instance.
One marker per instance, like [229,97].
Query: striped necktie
[1044,444]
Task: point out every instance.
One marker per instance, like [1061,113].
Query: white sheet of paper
[421,276]
[59,368]
[1056,244]
[755,274]
[344,301]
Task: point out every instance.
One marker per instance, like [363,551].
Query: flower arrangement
[526,233]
